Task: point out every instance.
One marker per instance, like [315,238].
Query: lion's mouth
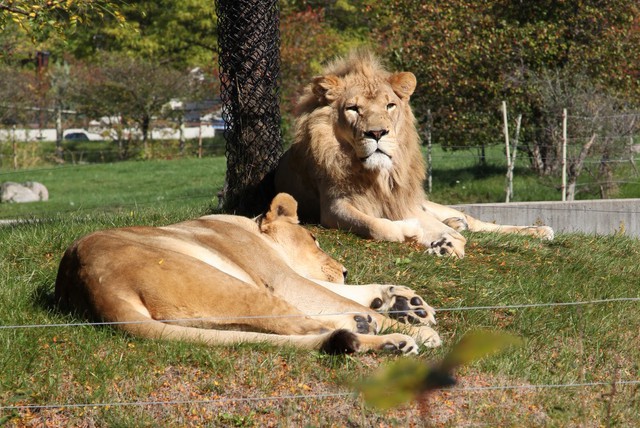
[378,151]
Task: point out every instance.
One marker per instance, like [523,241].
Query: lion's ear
[283,205]
[403,84]
[327,87]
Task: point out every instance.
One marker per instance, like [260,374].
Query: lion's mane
[319,156]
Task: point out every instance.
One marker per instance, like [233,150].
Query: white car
[81,135]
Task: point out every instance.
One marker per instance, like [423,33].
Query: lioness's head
[297,244]
[371,106]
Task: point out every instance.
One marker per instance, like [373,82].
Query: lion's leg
[393,342]
[438,237]
[341,214]
[135,320]
[313,297]
[333,342]
[461,221]
[402,303]
[320,303]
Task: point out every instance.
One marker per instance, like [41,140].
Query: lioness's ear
[283,205]
[327,87]
[403,84]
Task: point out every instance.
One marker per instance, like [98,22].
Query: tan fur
[227,279]
[356,164]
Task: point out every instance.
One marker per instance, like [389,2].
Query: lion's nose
[376,134]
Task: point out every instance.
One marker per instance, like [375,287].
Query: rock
[30,191]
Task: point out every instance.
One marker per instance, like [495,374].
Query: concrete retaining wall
[602,217]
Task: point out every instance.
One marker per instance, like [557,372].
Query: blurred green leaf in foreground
[409,379]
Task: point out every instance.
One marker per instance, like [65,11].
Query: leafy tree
[42,19]
[131,89]
[468,55]
[302,57]
[16,95]
[329,28]
[181,33]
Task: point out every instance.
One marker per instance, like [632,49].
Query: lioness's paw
[398,343]
[364,324]
[427,336]
[447,245]
[404,305]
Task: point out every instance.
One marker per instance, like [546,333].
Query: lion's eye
[353,108]
[391,106]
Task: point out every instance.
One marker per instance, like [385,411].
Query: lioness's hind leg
[362,323]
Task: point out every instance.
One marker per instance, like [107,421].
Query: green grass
[68,366]
[29,155]
[121,187]
[458,177]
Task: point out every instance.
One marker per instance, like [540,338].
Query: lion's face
[368,113]
[298,245]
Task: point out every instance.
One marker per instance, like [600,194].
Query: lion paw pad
[364,324]
[409,311]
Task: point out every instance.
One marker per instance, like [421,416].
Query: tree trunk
[248,39]
[59,131]
[145,124]
[576,168]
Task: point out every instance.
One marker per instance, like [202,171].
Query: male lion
[356,164]
[225,279]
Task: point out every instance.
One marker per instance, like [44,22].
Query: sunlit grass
[77,365]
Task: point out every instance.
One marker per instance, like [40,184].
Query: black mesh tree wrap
[249,43]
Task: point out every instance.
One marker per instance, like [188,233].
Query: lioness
[225,279]
[355,162]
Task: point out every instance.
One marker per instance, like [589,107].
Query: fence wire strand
[324,396]
[332,314]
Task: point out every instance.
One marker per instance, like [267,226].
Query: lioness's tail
[334,342]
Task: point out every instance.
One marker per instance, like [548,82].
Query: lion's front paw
[393,342]
[542,232]
[404,305]
[458,224]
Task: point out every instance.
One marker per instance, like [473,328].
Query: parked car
[81,135]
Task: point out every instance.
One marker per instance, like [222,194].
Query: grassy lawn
[96,376]
[121,187]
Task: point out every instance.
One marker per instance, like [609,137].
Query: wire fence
[226,400]
[100,153]
[462,156]
[335,314]
[220,401]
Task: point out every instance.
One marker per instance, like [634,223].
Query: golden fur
[356,164]
[225,279]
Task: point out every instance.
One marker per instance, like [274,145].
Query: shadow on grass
[450,177]
[43,297]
